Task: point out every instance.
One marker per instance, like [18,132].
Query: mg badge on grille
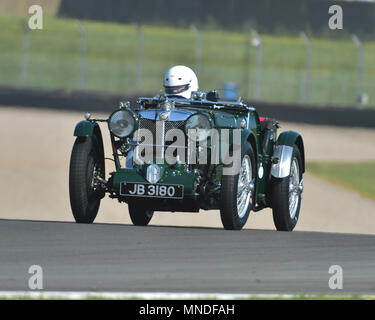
[163,116]
[153,173]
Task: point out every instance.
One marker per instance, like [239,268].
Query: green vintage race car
[177,154]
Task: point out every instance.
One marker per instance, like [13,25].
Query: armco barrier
[267,16]
[84,101]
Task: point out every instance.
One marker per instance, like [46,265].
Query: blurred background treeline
[277,51]
[267,16]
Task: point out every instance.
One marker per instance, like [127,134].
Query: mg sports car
[188,155]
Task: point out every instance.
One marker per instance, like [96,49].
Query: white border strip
[82,295]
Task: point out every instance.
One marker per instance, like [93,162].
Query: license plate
[131,189]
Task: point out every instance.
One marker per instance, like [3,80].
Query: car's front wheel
[86,164]
[237,191]
[287,195]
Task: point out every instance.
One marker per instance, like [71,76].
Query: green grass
[355,176]
[112,60]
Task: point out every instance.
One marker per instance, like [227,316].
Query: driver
[180,82]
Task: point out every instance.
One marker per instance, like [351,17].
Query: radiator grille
[151,125]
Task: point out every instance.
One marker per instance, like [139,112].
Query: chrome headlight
[198,127]
[122,123]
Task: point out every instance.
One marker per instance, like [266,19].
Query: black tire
[85,199]
[230,217]
[139,214]
[282,217]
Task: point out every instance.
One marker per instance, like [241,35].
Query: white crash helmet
[180,81]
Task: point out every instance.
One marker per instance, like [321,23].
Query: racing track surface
[105,257]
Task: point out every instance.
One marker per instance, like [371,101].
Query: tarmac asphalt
[116,257]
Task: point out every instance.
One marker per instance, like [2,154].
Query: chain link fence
[128,59]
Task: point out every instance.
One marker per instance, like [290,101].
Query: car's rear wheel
[287,195]
[237,191]
[139,214]
[86,164]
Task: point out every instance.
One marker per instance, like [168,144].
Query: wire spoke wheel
[243,187]
[286,195]
[294,192]
[237,191]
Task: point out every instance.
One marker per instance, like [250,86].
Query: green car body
[201,183]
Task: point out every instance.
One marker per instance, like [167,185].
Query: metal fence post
[25,53]
[247,68]
[257,43]
[305,85]
[140,56]
[198,49]
[82,60]
[359,45]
